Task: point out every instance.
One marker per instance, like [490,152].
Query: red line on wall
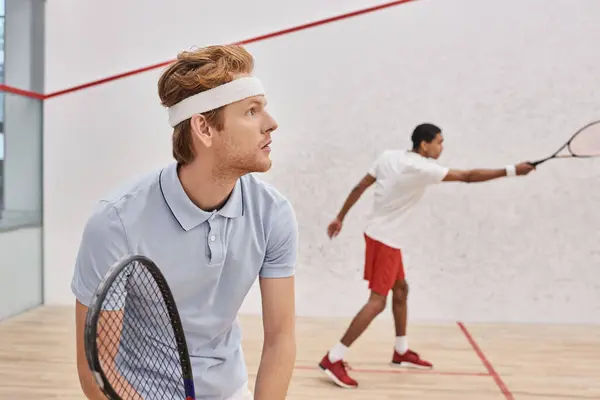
[324,21]
[21,92]
[488,365]
[107,79]
[242,42]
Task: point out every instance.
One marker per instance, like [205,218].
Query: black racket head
[134,341]
[584,143]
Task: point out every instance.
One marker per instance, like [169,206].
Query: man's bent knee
[400,291]
[376,302]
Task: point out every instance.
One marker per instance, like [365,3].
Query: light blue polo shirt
[210,260]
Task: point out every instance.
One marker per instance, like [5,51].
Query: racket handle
[538,162]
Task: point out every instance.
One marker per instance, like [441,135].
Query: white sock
[337,352]
[401,344]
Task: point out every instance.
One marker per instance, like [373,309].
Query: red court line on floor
[400,371]
[242,42]
[488,365]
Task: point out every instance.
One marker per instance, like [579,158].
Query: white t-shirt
[402,177]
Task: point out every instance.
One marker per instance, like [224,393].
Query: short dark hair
[424,133]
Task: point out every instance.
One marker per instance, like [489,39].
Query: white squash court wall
[506,80]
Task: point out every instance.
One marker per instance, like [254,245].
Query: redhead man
[210,225]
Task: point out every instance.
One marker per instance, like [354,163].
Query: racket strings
[136,344]
[587,142]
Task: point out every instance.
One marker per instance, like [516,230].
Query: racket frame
[568,146]
[95,309]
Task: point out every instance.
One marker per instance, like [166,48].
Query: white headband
[230,92]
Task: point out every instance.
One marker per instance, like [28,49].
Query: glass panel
[1,159]
[20,157]
[1,105]
[20,217]
[22,163]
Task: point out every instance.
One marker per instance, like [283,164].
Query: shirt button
[212,238]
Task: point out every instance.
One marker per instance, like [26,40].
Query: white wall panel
[507,81]
[93,39]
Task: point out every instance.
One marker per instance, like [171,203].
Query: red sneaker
[410,358]
[337,372]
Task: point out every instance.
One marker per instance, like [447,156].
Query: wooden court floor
[478,362]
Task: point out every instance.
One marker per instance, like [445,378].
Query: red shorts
[383,266]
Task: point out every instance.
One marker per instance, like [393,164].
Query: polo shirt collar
[185,211]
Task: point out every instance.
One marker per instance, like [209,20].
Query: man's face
[435,147]
[243,144]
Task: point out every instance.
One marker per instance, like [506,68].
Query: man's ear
[201,129]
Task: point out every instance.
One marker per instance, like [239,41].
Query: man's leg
[375,306]
[399,309]
[402,353]
[381,279]
[332,363]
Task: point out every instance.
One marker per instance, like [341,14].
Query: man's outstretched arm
[483,175]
